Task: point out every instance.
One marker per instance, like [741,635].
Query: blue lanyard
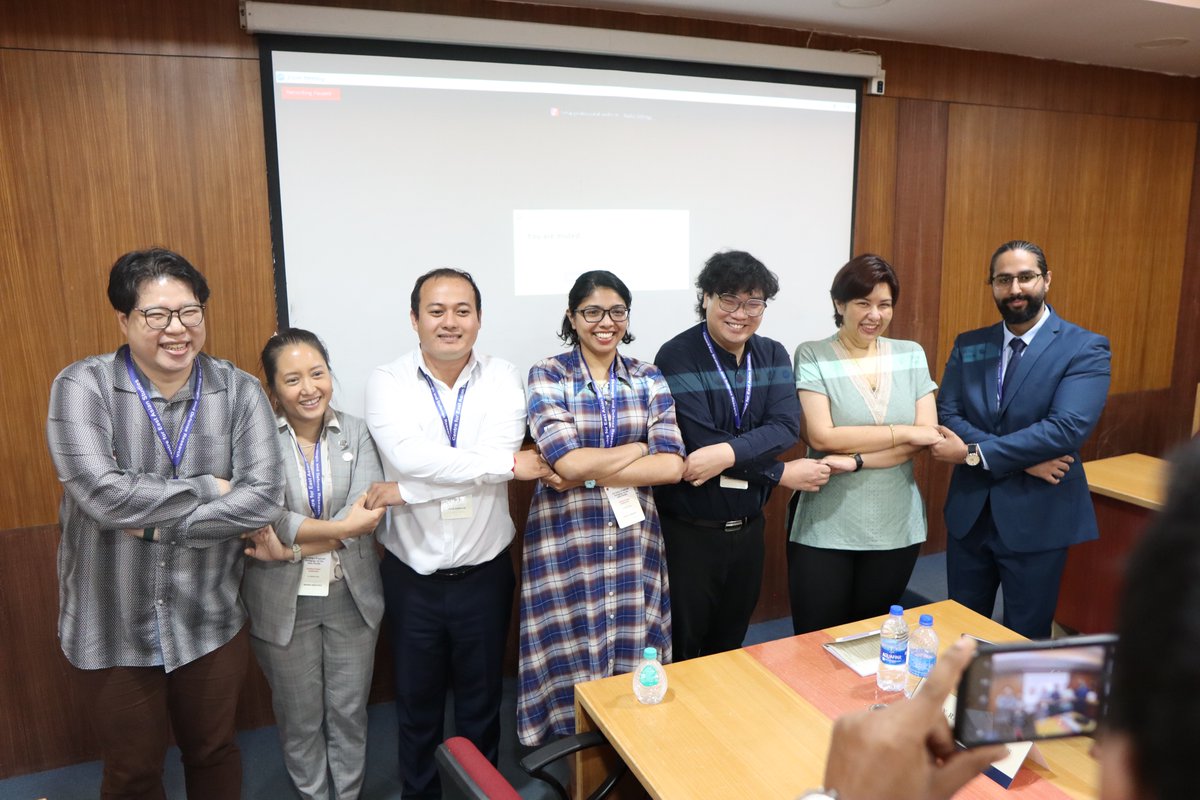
[451,428]
[608,415]
[174,453]
[312,476]
[737,414]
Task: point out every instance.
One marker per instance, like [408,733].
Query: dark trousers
[979,562]
[833,587]
[135,709]
[715,579]
[448,634]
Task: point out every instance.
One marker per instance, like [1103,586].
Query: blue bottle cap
[897,611]
[927,620]
[650,653]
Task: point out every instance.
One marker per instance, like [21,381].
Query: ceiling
[1101,32]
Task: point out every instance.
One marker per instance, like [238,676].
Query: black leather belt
[729,525]
[454,573]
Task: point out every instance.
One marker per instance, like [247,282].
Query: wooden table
[755,723]
[1126,491]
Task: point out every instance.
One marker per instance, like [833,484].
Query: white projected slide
[551,248]
[528,175]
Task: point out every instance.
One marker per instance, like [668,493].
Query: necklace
[870,376]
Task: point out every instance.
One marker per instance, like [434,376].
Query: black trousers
[832,587]
[715,578]
[448,634]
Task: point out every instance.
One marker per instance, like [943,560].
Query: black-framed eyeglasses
[596,313]
[1022,278]
[730,303]
[158,318]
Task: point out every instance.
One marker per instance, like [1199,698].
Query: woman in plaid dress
[594,580]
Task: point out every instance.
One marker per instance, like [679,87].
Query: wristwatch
[973,458]
[296,554]
[589,484]
[858,462]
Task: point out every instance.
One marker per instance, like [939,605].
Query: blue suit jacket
[1053,402]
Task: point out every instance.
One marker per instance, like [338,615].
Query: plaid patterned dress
[593,595]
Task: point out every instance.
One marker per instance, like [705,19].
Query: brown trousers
[135,709]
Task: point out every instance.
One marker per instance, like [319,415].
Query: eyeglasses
[730,303]
[1024,279]
[158,318]
[596,313]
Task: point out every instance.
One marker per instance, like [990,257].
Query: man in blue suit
[1017,401]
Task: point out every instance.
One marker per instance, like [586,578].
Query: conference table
[756,722]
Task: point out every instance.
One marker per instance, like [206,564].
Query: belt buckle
[734,525]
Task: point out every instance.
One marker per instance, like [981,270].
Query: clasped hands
[953,450]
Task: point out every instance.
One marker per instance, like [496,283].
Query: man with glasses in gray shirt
[166,456]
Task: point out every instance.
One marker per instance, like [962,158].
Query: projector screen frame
[503,55]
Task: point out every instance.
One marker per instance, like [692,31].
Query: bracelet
[892,428]
[148,534]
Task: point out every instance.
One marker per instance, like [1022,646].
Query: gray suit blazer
[269,588]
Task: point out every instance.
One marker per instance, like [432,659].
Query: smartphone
[1027,691]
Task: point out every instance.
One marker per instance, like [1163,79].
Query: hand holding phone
[1029,691]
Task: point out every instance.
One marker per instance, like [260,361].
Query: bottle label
[892,653]
[921,663]
[648,676]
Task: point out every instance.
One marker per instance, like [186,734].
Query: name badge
[315,574]
[457,507]
[734,483]
[625,505]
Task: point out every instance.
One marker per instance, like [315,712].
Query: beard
[1013,316]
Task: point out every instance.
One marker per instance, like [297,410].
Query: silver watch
[296,554]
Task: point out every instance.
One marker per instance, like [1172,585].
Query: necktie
[1018,347]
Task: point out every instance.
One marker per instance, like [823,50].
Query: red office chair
[467,775]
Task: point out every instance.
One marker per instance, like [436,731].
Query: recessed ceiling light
[1170,41]
[859,3]
[1185,3]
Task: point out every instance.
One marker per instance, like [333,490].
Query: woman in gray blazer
[313,589]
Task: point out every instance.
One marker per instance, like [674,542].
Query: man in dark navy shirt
[735,400]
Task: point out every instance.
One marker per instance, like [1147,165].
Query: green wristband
[148,534]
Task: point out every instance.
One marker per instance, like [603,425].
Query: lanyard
[737,414]
[451,427]
[312,476]
[608,415]
[174,453]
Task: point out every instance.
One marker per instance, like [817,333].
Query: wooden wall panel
[1105,197]
[115,153]
[875,195]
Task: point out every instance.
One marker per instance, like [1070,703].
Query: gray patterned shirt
[128,602]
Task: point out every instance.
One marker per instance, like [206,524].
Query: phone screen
[1034,690]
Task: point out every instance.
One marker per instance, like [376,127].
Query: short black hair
[1018,244]
[443,272]
[289,336]
[731,272]
[136,267]
[1157,665]
[858,277]
[585,284]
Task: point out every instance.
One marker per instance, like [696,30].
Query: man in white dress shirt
[449,424]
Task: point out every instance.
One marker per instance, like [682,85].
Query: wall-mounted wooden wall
[126,124]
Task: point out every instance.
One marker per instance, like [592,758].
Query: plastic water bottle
[922,653]
[893,652]
[649,679]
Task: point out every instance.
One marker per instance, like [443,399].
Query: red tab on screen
[311,93]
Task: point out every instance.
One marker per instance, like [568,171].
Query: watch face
[972,456]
